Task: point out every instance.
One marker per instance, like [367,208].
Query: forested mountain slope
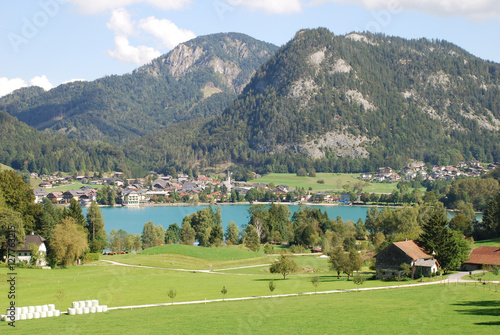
[351,103]
[198,79]
[26,149]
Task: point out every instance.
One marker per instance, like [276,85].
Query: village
[158,188]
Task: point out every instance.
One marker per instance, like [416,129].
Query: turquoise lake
[132,220]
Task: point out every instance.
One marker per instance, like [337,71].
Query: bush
[91,257]
[268,248]
[297,249]
[320,181]
[301,172]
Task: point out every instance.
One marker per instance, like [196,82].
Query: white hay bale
[24,310]
[71,311]
[86,310]
[88,303]
[52,307]
[31,309]
[79,311]
[36,315]
[23,316]
[29,316]
[50,314]
[45,308]
[82,304]
[93,309]
[43,314]
[19,310]
[75,304]
[104,308]
[38,309]
[99,309]
[57,312]
[95,303]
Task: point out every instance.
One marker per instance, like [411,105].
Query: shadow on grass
[492,323]
[482,308]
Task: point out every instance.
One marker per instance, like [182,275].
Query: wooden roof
[485,255]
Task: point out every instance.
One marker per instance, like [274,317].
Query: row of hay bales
[86,307]
[48,311]
[31,312]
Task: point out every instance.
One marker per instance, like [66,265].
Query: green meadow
[333,182]
[495,242]
[438,309]
[434,309]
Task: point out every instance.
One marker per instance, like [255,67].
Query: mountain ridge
[117,109]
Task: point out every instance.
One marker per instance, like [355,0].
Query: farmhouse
[482,255]
[389,260]
[23,252]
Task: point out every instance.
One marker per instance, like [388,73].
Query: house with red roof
[389,260]
[482,255]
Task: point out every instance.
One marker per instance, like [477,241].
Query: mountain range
[335,103]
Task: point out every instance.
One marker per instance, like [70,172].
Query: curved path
[217,271]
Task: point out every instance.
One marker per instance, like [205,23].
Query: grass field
[495,242]
[439,309]
[333,181]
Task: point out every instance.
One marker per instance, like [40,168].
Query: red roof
[485,255]
[412,249]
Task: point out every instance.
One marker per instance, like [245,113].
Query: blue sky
[49,42]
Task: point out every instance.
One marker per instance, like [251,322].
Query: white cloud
[270,6]
[9,85]
[41,81]
[126,53]
[120,22]
[470,9]
[169,34]
[98,6]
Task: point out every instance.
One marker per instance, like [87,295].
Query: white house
[23,253]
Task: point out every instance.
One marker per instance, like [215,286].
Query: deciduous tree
[69,242]
[284,265]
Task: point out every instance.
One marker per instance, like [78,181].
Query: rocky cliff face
[233,57]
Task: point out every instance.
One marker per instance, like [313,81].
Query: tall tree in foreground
[75,211]
[187,233]
[152,235]
[251,239]
[450,247]
[69,242]
[338,259]
[95,227]
[232,233]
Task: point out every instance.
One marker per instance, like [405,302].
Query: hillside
[198,79]
[352,103]
[25,148]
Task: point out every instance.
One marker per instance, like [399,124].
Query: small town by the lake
[250,167]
